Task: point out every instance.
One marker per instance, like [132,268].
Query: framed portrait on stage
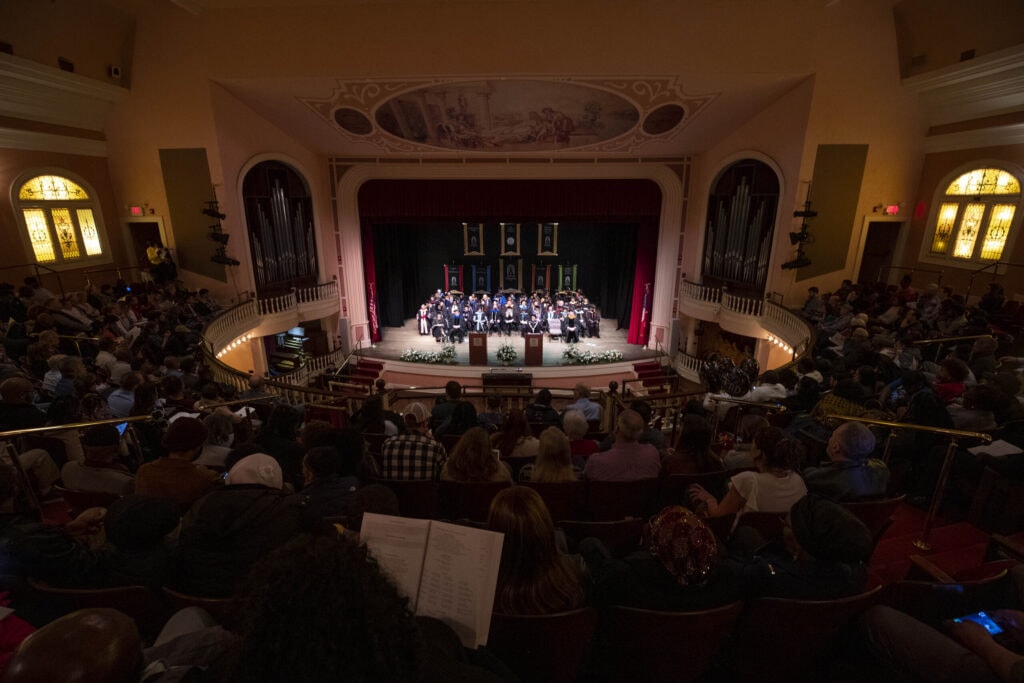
[473,239]
[509,239]
[547,239]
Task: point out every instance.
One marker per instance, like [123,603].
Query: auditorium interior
[675,177]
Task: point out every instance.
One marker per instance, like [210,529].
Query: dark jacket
[227,531]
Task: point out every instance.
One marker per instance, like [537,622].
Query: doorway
[142,231]
[879,247]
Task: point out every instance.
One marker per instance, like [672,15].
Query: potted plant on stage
[507,353]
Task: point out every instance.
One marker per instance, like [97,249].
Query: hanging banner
[511,273]
[473,239]
[547,239]
[452,278]
[510,239]
[371,305]
[645,316]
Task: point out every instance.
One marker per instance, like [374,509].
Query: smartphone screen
[121,427]
[981,618]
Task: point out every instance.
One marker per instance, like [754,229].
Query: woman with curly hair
[533,577]
[516,439]
[472,459]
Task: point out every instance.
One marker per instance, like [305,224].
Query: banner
[372,307]
[645,316]
[481,278]
[452,278]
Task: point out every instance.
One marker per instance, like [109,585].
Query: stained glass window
[60,220]
[975,217]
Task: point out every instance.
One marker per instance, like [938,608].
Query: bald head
[851,441]
[629,426]
[87,645]
[16,390]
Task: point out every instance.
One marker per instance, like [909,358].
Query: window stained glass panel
[90,236]
[66,237]
[944,229]
[51,188]
[998,230]
[984,181]
[968,235]
[39,235]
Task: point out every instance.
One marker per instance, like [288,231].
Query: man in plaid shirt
[414,455]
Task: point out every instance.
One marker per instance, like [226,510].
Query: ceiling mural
[509,115]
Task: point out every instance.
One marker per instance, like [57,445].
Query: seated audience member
[413,455]
[321,609]
[473,460]
[493,418]
[516,440]
[540,411]
[122,398]
[220,434]
[175,475]
[768,388]
[741,456]
[627,459]
[852,473]
[774,487]
[825,554]
[372,419]
[452,415]
[229,529]
[576,428]
[692,452]
[99,471]
[328,481]
[590,409]
[949,383]
[279,439]
[16,408]
[349,442]
[554,460]
[136,550]
[650,435]
[533,577]
[964,651]
[678,568]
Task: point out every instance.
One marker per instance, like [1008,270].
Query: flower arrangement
[507,353]
[574,356]
[446,355]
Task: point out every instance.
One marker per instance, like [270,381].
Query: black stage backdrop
[416,227]
[409,262]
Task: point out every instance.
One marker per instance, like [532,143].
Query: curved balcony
[263,316]
[751,317]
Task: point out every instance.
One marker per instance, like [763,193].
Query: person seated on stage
[457,333]
[495,318]
[571,329]
[480,320]
[440,328]
[509,322]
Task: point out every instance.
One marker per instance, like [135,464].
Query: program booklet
[448,571]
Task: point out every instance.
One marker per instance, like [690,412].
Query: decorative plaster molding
[12,138]
[35,92]
[989,85]
[973,139]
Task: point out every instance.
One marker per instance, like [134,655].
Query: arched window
[740,226]
[60,221]
[279,216]
[975,215]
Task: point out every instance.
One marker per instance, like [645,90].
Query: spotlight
[220,237]
[806,213]
[798,237]
[214,213]
[221,257]
[800,261]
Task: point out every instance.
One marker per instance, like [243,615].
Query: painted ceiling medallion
[510,115]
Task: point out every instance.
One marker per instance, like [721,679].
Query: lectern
[534,349]
[477,348]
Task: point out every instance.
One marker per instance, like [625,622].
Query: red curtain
[370,270]
[646,257]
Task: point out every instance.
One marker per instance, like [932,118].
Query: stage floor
[395,340]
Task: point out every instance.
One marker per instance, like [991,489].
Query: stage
[554,372]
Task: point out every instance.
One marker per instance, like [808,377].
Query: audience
[175,475]
[554,460]
[412,455]
[473,460]
[627,459]
[98,471]
[852,473]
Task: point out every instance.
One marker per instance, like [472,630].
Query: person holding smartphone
[967,650]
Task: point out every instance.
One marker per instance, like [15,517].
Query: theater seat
[543,648]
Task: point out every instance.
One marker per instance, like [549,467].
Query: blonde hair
[554,460]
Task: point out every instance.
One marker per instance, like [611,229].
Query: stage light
[806,213]
[221,237]
[798,237]
[214,213]
[800,261]
[226,260]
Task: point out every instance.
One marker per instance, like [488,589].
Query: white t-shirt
[764,492]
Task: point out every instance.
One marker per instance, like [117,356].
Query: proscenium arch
[351,273]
